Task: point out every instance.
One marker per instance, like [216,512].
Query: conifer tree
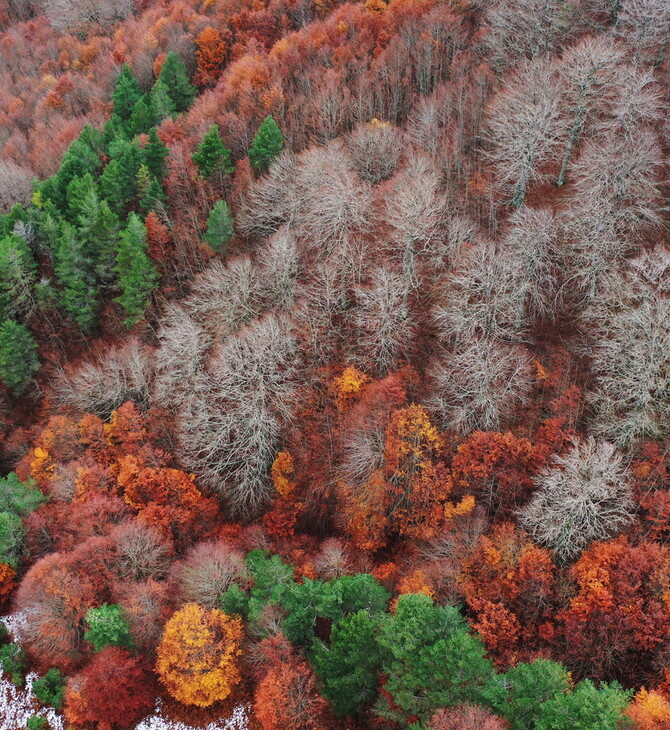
[99,230]
[137,274]
[118,183]
[266,145]
[143,117]
[150,191]
[18,356]
[219,226]
[155,154]
[17,278]
[161,101]
[77,190]
[174,76]
[126,94]
[212,156]
[74,271]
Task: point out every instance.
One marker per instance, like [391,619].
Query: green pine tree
[174,76]
[137,275]
[75,273]
[126,94]
[77,190]
[143,117]
[18,273]
[118,183]
[107,627]
[161,101]
[266,145]
[50,689]
[155,154]
[219,226]
[149,190]
[99,231]
[212,157]
[18,356]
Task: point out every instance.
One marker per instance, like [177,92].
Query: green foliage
[126,94]
[4,633]
[518,694]
[266,145]
[586,708]
[37,722]
[99,234]
[155,154]
[118,182]
[137,275]
[18,356]
[151,193]
[18,272]
[235,602]
[107,627]
[21,498]
[75,273]
[16,214]
[77,191]
[269,575]
[50,688]
[11,538]
[13,663]
[174,76]
[212,156]
[161,101]
[219,226]
[430,658]
[347,667]
[143,117]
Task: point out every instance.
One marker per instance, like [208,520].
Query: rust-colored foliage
[114,690]
[466,717]
[197,658]
[211,54]
[7,583]
[649,711]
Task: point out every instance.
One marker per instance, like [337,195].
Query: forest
[335,364]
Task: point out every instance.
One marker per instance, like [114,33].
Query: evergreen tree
[266,145]
[143,117]
[212,156]
[126,94]
[18,356]
[161,101]
[107,627]
[118,183]
[150,192]
[18,272]
[174,76]
[137,275]
[50,689]
[99,231]
[155,154]
[219,226]
[75,273]
[77,190]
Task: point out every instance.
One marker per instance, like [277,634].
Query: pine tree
[77,190]
[219,226]
[75,274]
[18,356]
[174,76]
[155,154]
[212,156]
[118,183]
[266,145]
[126,94]
[17,278]
[137,275]
[99,231]
[161,101]
[150,192]
[143,117]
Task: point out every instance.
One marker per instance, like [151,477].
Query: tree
[107,627]
[197,656]
[163,105]
[18,356]
[155,153]
[126,94]
[143,117]
[465,717]
[219,226]
[98,230]
[347,665]
[75,273]
[212,158]
[137,275]
[583,496]
[17,278]
[375,148]
[173,74]
[50,688]
[522,129]
[266,144]
[586,708]
[13,663]
[649,711]
[211,54]
[429,658]
[114,689]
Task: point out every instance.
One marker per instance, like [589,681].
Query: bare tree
[645,26]
[179,357]
[265,207]
[583,496]
[416,211]
[141,553]
[15,185]
[375,148]
[383,318]
[637,103]
[228,431]
[522,128]
[278,264]
[484,294]
[330,206]
[588,73]
[207,572]
[480,385]
[627,337]
[100,385]
[83,15]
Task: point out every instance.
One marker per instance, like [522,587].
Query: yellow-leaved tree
[198,655]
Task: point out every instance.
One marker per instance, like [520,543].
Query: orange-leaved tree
[198,655]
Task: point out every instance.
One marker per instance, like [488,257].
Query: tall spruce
[266,145]
[174,76]
[155,154]
[219,226]
[75,273]
[137,275]
[212,157]
[18,356]
[126,94]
